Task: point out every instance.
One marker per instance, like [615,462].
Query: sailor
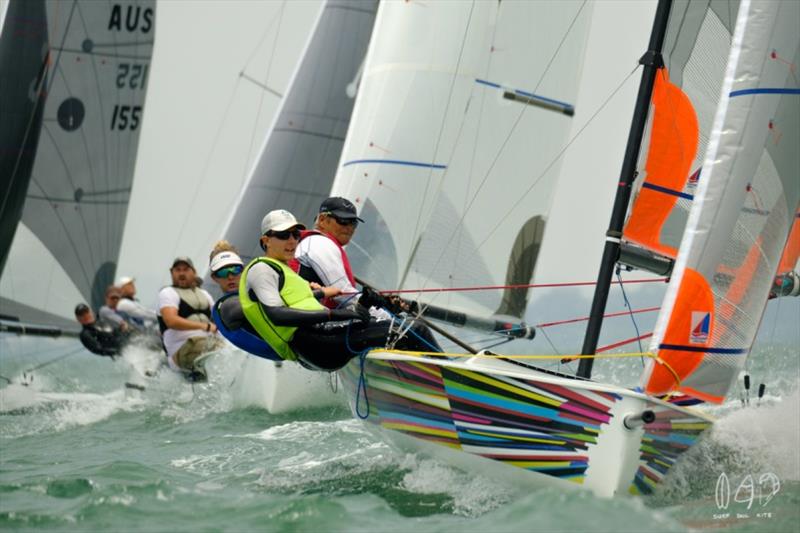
[285,309]
[321,258]
[129,308]
[185,320]
[226,269]
[108,312]
[98,336]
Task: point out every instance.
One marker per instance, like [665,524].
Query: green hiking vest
[295,293]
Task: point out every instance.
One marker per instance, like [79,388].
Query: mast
[652,61]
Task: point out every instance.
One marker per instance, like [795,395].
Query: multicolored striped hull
[558,430]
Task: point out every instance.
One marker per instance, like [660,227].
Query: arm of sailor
[136,309]
[168,302]
[321,292]
[173,321]
[319,253]
[287,316]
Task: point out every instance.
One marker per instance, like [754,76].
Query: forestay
[297,162]
[453,150]
[745,203]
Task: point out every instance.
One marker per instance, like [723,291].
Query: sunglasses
[284,235]
[115,297]
[233,270]
[343,221]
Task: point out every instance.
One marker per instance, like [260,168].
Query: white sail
[463,105]
[741,215]
[297,162]
[75,162]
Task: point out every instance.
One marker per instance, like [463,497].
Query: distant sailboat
[77,76]
[444,210]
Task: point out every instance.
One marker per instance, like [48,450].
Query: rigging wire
[628,306]
[558,156]
[231,204]
[500,150]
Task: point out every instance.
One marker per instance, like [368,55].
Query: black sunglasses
[284,235]
[343,221]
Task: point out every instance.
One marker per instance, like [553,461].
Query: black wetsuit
[102,338]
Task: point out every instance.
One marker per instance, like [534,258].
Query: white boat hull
[283,387]
[520,424]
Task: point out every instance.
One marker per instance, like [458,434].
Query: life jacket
[233,325]
[193,306]
[295,293]
[308,273]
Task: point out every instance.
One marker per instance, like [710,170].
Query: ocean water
[80,452]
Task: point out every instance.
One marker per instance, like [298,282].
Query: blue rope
[630,311]
[362,382]
[362,386]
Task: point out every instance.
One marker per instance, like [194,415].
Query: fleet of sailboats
[447,124]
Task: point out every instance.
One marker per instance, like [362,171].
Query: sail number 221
[126,117]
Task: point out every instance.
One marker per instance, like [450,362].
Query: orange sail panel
[792,250]
[689,332]
[673,145]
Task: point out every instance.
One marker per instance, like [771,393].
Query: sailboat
[74,78]
[294,171]
[447,140]
[76,74]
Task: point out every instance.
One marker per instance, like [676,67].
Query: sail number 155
[126,117]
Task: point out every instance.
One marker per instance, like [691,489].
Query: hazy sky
[204,124]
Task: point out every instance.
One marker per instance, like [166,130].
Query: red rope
[610,346]
[622,343]
[583,319]
[528,286]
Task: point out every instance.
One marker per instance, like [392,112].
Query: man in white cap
[137,315]
[185,320]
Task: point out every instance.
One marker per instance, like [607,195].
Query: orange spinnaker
[673,145]
[694,296]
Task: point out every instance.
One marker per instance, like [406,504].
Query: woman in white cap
[285,310]
[226,268]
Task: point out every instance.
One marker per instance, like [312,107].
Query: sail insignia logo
[701,324]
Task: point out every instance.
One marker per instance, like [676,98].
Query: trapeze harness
[317,341]
[193,306]
[308,273]
[233,325]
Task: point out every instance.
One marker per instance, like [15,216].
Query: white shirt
[136,310]
[264,280]
[109,315]
[321,254]
[174,338]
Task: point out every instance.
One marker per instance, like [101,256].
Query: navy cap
[340,207]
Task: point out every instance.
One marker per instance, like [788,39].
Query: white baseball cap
[224,259]
[279,220]
[124,280]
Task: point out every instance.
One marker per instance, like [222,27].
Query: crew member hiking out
[99,336]
[185,320]
[226,269]
[285,309]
